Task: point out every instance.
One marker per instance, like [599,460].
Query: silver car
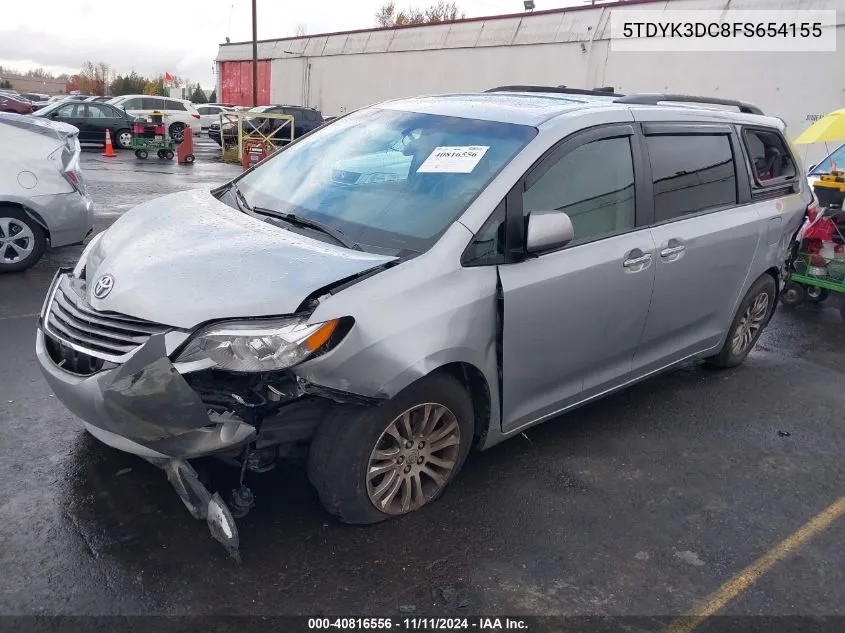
[43,200]
[419,278]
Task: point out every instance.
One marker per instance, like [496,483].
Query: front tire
[749,322]
[369,464]
[22,240]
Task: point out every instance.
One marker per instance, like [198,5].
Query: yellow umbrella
[829,128]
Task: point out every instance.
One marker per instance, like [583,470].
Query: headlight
[254,346]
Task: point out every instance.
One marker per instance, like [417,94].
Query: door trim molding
[596,396]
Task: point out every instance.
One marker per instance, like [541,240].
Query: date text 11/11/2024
[417,624]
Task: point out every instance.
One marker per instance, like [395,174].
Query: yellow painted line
[751,574]
[18,316]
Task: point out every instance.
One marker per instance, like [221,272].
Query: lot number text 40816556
[417,624]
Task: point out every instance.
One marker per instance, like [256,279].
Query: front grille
[106,335]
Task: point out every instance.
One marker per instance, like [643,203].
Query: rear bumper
[69,217]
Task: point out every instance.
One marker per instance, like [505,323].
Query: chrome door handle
[672,250]
[636,261]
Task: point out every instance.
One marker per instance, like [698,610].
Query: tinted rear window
[691,173]
[174,105]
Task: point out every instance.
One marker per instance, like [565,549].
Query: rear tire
[123,139]
[177,132]
[748,324]
[28,240]
[353,442]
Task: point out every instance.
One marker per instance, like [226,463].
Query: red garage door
[236,82]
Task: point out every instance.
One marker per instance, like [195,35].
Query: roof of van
[534,108]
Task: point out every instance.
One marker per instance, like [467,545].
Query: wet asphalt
[640,504]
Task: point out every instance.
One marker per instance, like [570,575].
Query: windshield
[389,180]
[837,157]
[48,109]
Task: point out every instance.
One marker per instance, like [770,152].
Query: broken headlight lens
[254,346]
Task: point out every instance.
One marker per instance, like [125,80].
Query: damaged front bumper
[144,406]
[142,403]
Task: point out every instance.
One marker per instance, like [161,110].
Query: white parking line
[18,316]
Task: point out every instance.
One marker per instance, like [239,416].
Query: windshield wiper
[241,198]
[298,220]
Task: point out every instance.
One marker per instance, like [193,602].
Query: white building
[338,72]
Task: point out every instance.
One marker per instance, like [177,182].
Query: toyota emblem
[103,286]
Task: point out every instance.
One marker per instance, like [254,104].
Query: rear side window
[593,184]
[152,103]
[174,105]
[72,111]
[770,158]
[691,173]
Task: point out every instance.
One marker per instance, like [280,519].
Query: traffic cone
[109,153]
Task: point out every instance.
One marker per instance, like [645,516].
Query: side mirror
[548,230]
[811,168]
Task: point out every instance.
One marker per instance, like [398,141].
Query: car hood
[187,258]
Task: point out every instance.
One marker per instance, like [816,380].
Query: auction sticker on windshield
[453,159]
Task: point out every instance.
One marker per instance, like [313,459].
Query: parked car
[836,157]
[304,120]
[35,97]
[18,105]
[210,113]
[92,120]
[43,201]
[436,274]
[178,113]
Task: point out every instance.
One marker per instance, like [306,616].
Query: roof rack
[657,98]
[599,92]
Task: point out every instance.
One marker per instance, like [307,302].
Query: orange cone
[109,149]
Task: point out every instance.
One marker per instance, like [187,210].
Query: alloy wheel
[750,323]
[177,132]
[124,140]
[17,240]
[413,458]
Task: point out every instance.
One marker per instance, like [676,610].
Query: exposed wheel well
[476,385]
[30,213]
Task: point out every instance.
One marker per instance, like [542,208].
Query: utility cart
[150,136]
[818,267]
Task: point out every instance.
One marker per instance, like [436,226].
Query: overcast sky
[61,34]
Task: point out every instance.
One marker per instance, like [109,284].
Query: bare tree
[442,11]
[94,78]
[386,15]
[301,30]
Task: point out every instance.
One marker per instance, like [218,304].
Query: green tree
[212,98]
[198,96]
[5,83]
[131,84]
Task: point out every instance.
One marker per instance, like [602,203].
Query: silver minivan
[422,277]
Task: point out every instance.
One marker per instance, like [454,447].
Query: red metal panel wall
[236,82]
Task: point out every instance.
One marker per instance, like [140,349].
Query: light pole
[254,55]
[306,76]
